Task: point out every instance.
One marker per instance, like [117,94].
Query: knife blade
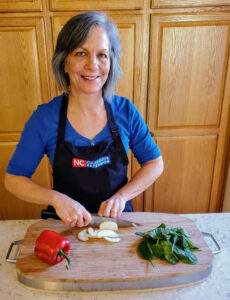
[96,220]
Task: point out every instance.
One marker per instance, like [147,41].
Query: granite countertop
[215,287]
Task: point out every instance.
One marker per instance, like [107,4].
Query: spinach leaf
[158,233]
[186,255]
[175,238]
[191,245]
[158,250]
[184,242]
[143,251]
[140,233]
[162,226]
[183,232]
[169,255]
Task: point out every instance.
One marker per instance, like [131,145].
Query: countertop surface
[215,286]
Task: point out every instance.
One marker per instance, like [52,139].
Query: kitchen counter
[215,286]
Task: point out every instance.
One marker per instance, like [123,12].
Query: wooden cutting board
[98,265]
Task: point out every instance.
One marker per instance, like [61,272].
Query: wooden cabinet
[176,71]
[189,109]
[23,85]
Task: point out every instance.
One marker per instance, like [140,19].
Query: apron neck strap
[62,118]
[113,126]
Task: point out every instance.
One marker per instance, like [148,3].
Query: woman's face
[88,66]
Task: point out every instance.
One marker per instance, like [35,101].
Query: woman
[86,132]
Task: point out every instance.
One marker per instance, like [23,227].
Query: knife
[96,220]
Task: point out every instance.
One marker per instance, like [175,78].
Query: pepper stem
[62,253]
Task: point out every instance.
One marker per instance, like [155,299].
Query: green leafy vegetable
[167,243]
[143,250]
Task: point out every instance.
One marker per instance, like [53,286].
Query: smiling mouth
[90,77]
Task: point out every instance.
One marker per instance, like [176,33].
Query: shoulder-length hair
[73,35]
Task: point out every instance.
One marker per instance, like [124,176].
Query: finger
[119,212]
[86,217]
[101,209]
[120,209]
[114,209]
[80,221]
[73,223]
[67,221]
[107,208]
[73,220]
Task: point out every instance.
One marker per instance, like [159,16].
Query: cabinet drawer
[24,5]
[68,5]
[187,3]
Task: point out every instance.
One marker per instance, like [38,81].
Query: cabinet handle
[151,133]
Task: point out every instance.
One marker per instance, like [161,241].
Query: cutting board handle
[13,260]
[215,242]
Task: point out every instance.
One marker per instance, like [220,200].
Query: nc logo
[78,163]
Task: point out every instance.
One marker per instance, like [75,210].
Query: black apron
[90,174]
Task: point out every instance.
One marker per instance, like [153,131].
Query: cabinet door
[23,85]
[133,35]
[189,110]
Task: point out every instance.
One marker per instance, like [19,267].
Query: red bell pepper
[52,248]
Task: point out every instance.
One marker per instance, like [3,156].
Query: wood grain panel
[68,5]
[23,83]
[192,75]
[222,148]
[20,5]
[10,206]
[187,70]
[187,3]
[185,185]
[125,86]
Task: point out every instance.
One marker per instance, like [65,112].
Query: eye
[103,55]
[80,53]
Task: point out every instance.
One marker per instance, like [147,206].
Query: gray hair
[73,35]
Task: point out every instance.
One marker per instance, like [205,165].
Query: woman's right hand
[71,212]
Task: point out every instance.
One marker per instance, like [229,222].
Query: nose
[92,62]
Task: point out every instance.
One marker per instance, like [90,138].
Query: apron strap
[115,133]
[62,119]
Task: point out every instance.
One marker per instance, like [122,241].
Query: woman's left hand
[112,207]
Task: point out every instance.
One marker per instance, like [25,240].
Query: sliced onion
[108,225]
[113,240]
[83,236]
[107,233]
[92,233]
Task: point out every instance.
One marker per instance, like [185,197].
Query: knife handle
[46,214]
